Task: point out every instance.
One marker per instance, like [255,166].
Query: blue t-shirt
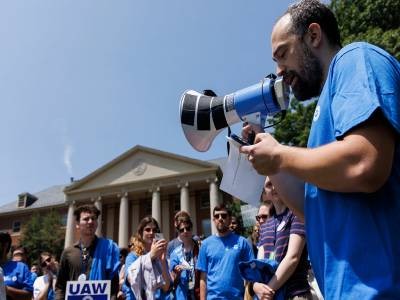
[187,277]
[219,257]
[126,288]
[353,238]
[17,275]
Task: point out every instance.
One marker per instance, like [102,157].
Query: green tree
[43,232]
[295,127]
[373,21]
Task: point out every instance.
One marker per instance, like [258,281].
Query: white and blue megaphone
[203,117]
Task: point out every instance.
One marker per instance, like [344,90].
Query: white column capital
[212,180]
[122,195]
[183,184]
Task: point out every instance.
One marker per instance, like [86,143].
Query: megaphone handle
[251,138]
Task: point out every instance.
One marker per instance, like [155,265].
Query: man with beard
[219,257]
[91,258]
[346,183]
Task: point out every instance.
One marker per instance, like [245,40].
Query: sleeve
[363,81]
[297,226]
[128,261]
[248,253]
[27,283]
[174,261]
[202,259]
[62,277]
[36,287]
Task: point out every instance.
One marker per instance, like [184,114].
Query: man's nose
[280,70]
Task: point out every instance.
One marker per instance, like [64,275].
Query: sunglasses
[183,229]
[148,229]
[259,217]
[45,262]
[223,216]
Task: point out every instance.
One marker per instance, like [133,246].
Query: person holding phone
[183,262]
[147,253]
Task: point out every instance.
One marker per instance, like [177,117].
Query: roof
[51,196]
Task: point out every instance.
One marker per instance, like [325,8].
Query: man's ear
[314,35]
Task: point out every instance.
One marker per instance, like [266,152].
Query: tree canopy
[43,232]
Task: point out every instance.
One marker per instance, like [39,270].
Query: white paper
[240,179]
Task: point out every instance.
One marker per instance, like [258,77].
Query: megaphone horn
[203,117]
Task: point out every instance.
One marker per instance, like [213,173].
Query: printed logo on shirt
[316,113]
[14,278]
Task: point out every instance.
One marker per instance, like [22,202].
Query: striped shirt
[274,237]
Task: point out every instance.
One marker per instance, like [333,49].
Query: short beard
[309,81]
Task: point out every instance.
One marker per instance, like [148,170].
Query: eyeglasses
[45,262]
[259,217]
[223,216]
[148,229]
[87,219]
[183,229]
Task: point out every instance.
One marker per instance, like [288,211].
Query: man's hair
[222,207]
[87,208]
[181,214]
[20,249]
[5,240]
[184,220]
[305,12]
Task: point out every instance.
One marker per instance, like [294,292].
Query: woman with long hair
[151,253]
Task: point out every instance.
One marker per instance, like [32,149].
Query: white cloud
[68,150]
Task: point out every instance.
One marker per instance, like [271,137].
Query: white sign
[88,290]
[240,179]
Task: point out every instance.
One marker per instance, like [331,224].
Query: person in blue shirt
[17,277]
[144,242]
[183,260]
[219,259]
[345,184]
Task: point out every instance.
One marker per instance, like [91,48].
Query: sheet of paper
[240,179]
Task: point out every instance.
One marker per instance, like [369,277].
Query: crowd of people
[345,186]
[186,267]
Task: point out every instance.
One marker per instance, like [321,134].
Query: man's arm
[203,286]
[14,293]
[360,162]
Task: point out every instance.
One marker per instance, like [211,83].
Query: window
[204,199]
[16,227]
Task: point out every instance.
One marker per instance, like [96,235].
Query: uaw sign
[88,290]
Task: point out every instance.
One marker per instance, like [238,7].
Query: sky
[81,82]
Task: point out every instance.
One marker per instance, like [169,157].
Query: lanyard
[84,258]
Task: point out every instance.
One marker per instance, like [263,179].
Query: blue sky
[81,82]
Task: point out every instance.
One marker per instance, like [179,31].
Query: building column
[110,221]
[123,221]
[156,205]
[98,204]
[214,201]
[185,203]
[69,233]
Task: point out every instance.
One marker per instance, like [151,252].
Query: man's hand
[264,154]
[263,291]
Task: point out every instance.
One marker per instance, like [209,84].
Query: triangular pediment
[140,164]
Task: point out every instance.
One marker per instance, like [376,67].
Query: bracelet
[251,290]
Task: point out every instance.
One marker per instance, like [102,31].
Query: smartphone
[239,140]
[159,236]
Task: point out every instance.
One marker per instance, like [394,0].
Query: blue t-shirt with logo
[353,238]
[17,275]
[219,257]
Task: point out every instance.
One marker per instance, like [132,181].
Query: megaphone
[203,117]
